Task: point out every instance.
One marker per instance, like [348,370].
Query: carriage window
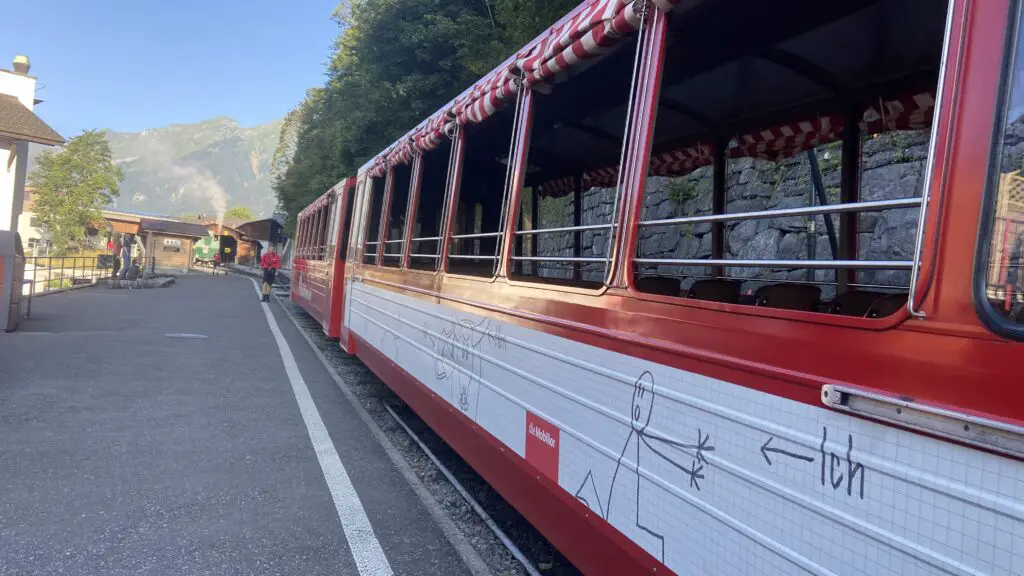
[399,204]
[1000,274]
[348,197]
[476,229]
[376,202]
[316,249]
[768,186]
[566,210]
[332,229]
[358,222]
[428,212]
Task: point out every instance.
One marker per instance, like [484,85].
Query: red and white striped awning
[682,161]
[558,187]
[910,112]
[593,31]
[489,95]
[401,154]
[431,133]
[787,139]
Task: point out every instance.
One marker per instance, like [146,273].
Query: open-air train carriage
[719,286]
[318,266]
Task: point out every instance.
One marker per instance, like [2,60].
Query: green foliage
[72,185]
[554,212]
[899,142]
[830,157]
[393,64]
[240,213]
[679,191]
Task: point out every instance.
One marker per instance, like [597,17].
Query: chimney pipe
[22,64]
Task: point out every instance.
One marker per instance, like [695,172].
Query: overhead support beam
[807,69]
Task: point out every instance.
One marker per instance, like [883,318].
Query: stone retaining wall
[892,166]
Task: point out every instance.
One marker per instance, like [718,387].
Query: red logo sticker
[542,445]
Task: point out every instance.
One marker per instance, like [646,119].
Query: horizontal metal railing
[746,279]
[434,256]
[559,259]
[850,207]
[872,206]
[478,235]
[472,257]
[564,229]
[427,239]
[797,264]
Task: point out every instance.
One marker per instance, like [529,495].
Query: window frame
[354,255]
[390,185]
[368,190]
[415,193]
[508,195]
[990,196]
[624,271]
[346,203]
[300,236]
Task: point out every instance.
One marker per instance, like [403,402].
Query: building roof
[267,229]
[180,228]
[20,123]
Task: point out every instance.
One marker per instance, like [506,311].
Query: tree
[393,64]
[241,213]
[72,185]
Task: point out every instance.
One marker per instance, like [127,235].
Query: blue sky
[130,64]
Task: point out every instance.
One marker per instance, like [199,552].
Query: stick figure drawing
[458,359]
[642,446]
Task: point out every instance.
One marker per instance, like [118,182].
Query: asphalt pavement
[164,431]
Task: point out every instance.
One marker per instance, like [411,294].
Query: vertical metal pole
[412,209]
[819,189]
[61,285]
[577,220]
[520,239]
[535,238]
[849,192]
[718,205]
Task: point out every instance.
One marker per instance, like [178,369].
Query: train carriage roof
[589,31]
[800,52]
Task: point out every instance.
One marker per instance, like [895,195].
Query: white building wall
[13,172]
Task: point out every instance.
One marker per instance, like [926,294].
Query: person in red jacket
[270,263]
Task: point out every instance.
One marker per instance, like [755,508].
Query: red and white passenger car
[318,264]
[773,322]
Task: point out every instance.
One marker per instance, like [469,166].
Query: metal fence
[47,273]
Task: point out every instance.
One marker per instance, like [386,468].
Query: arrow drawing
[765,450]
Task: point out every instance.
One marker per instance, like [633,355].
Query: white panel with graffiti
[709,476]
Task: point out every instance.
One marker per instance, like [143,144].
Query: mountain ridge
[201,167]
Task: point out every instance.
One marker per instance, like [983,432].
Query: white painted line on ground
[470,557]
[366,550]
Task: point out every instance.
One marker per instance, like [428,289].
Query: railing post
[62,259]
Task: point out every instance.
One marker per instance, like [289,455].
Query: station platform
[192,430]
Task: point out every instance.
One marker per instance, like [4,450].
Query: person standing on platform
[126,255]
[116,248]
[270,264]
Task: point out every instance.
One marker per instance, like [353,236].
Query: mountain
[196,168]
